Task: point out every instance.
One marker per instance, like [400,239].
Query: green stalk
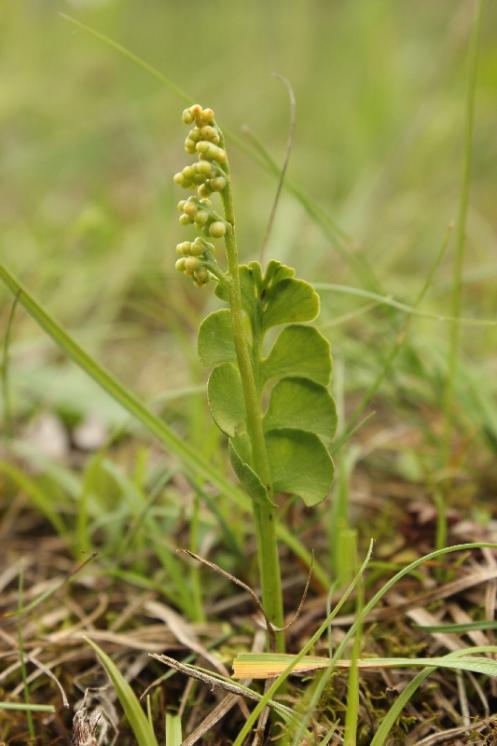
[353,691]
[197,604]
[264,515]
[7,408]
[458,263]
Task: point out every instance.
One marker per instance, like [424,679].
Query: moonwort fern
[272,401]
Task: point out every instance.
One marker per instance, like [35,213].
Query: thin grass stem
[352,712]
[402,337]
[150,69]
[194,566]
[7,404]
[284,168]
[459,254]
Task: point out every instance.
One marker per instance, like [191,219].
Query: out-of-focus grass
[89,143]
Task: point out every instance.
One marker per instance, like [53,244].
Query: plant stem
[458,262]
[352,712]
[264,515]
[7,409]
[196,585]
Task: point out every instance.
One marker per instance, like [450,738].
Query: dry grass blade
[46,670]
[217,714]
[226,704]
[12,571]
[41,668]
[205,676]
[253,595]
[270,665]
[451,642]
[215,681]
[448,735]
[184,633]
[50,591]
[302,601]
[268,626]
[147,639]
[86,622]
[424,618]
[460,616]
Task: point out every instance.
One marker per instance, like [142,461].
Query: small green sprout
[279,448]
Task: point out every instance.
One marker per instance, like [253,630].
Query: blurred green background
[87,206]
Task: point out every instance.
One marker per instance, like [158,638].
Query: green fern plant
[272,403]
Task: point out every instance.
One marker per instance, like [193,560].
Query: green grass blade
[118,392]
[7,408]
[22,707]
[395,710]
[341,242]
[174,735]
[483,624]
[266,665]
[393,713]
[401,340]
[458,261]
[344,438]
[388,300]
[150,69]
[362,617]
[325,741]
[194,463]
[137,719]
[473,663]
[353,692]
[283,712]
